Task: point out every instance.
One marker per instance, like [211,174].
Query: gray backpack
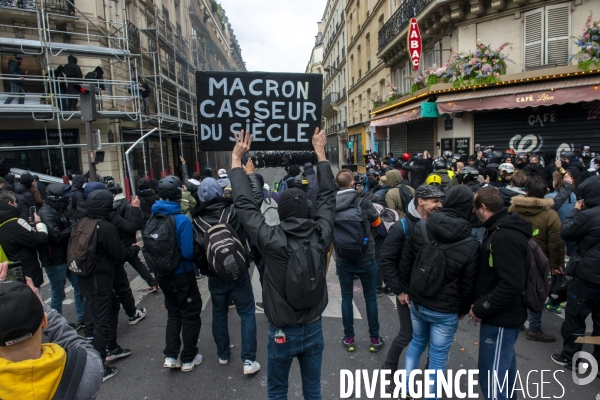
[349,232]
[268,209]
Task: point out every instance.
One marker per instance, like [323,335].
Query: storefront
[332,150]
[154,158]
[419,136]
[46,160]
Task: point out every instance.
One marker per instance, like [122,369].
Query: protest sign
[281,110]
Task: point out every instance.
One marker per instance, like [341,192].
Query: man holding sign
[295,291]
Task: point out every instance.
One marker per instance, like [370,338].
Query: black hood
[10,178]
[590,191]
[72,59]
[447,227]
[8,212]
[459,200]
[505,220]
[99,204]
[78,182]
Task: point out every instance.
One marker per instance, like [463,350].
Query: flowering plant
[430,77]
[376,99]
[589,41]
[392,94]
[483,65]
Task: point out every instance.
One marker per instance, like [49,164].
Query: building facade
[163,42]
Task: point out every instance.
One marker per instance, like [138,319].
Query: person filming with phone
[22,241]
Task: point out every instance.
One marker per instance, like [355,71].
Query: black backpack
[406,195]
[349,232]
[81,250]
[224,250]
[430,265]
[161,251]
[305,278]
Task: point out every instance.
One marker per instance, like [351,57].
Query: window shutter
[534,38]
[558,28]
[437,60]
[407,81]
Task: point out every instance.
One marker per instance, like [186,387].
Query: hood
[530,205]
[460,200]
[448,227]
[576,164]
[412,210]
[99,204]
[590,191]
[166,207]
[8,212]
[505,220]
[216,205]
[39,376]
[10,178]
[119,196]
[394,177]
[78,182]
[224,182]
[92,186]
[297,228]
[549,156]
[72,59]
[209,190]
[20,189]
[344,198]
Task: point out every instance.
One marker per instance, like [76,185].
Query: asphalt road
[141,375]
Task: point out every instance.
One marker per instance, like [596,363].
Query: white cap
[222,173]
[507,167]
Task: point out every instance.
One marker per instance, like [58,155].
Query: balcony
[330,99]
[50,6]
[133,35]
[396,24]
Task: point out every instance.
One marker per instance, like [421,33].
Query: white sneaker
[187,367]
[138,316]
[223,362]
[170,362]
[251,367]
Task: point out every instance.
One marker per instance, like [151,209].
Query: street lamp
[328,69]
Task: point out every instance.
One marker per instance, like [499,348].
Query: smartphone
[15,272]
[32,214]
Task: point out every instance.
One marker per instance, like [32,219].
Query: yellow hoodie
[33,379]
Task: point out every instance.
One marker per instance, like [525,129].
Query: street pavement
[141,376]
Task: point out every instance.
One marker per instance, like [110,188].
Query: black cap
[21,313]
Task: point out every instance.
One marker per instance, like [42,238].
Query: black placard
[461,145]
[281,110]
[448,124]
[446,144]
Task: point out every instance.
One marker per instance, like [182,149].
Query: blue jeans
[302,342]
[535,321]
[436,329]
[15,87]
[497,357]
[58,275]
[367,272]
[240,291]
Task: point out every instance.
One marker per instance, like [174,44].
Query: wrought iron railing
[23,4]
[409,9]
[59,7]
[330,98]
[133,34]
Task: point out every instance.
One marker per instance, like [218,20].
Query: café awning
[544,93]
[404,114]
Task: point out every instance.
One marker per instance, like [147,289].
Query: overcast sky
[275,35]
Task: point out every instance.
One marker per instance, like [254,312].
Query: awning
[544,93]
[398,116]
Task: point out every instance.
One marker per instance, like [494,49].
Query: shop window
[546,36]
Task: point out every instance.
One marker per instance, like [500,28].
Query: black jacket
[508,192]
[110,251]
[583,227]
[127,219]
[77,208]
[577,171]
[418,172]
[445,227]
[53,214]
[24,200]
[23,243]
[313,186]
[389,257]
[210,213]
[72,70]
[147,200]
[498,288]
[272,243]
[14,68]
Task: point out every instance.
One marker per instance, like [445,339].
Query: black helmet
[439,164]
[114,188]
[300,182]
[169,188]
[568,154]
[468,174]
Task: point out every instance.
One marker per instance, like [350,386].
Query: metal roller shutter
[420,136]
[537,130]
[332,149]
[398,140]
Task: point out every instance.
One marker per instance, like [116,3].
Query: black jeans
[183,304]
[142,270]
[123,290]
[582,300]
[105,309]
[402,339]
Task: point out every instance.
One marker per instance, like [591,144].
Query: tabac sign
[415,45]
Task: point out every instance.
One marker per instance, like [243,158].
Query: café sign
[415,45]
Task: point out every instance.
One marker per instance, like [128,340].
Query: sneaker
[153,289]
[109,372]
[139,315]
[540,337]
[231,303]
[555,308]
[187,367]
[376,344]
[223,361]
[259,306]
[117,353]
[76,325]
[379,292]
[349,344]
[560,360]
[170,362]
[89,339]
[251,367]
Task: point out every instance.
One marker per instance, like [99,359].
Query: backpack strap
[404,229]
[225,215]
[423,227]
[71,377]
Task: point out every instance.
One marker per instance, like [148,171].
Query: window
[432,56]
[368,48]
[369,102]
[546,36]
[382,88]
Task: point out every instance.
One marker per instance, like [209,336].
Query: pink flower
[496,74]
[473,61]
[587,35]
